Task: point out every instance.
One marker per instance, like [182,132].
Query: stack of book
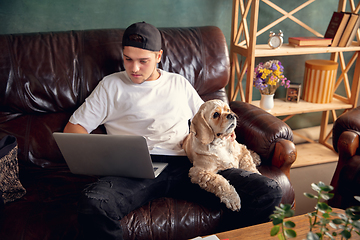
[340,32]
[342,28]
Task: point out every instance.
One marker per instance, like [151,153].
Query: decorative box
[319,80]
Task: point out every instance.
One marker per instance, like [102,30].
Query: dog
[211,147]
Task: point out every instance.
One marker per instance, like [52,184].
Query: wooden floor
[314,163]
[312,153]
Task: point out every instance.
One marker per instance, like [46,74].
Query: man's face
[141,64]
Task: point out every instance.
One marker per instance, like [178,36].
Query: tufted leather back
[44,77]
[54,72]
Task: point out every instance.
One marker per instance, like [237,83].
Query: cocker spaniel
[211,147]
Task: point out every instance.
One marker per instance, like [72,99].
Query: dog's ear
[200,127]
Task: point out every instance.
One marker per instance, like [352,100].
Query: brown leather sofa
[44,77]
[346,179]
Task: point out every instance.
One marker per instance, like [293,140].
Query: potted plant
[267,78]
[323,222]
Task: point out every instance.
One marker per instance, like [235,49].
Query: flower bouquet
[269,76]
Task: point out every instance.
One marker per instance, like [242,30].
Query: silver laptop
[108,155]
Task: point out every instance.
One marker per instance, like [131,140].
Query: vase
[267,102]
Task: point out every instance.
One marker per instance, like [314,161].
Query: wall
[21,16]
[25,16]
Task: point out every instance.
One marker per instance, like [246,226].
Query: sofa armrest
[346,177]
[349,121]
[346,131]
[285,154]
[346,140]
[347,146]
[265,134]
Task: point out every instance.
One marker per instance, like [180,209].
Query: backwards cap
[150,37]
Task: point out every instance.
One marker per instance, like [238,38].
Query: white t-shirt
[159,110]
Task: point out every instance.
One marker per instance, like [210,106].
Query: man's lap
[129,193]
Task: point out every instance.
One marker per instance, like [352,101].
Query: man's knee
[97,199]
[258,189]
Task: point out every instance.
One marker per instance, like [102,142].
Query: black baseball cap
[149,37]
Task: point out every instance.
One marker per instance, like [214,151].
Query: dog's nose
[230,116]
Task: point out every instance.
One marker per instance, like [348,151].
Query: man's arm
[74,128]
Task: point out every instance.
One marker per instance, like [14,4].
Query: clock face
[275,42]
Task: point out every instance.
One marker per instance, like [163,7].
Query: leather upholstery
[44,77]
[346,179]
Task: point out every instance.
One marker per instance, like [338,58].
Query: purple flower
[273,67]
[259,84]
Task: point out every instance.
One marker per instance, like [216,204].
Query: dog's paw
[232,201]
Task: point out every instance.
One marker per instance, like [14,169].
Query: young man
[144,100]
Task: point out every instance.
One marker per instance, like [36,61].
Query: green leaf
[289,213]
[279,208]
[289,224]
[286,207]
[277,221]
[312,236]
[326,196]
[333,214]
[327,188]
[329,235]
[275,230]
[349,213]
[333,225]
[324,221]
[290,233]
[355,208]
[338,221]
[321,184]
[346,234]
[309,195]
[356,225]
[324,187]
[342,216]
[315,187]
[323,206]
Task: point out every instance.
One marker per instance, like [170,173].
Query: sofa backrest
[44,77]
[52,72]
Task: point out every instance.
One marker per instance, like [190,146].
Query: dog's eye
[216,115]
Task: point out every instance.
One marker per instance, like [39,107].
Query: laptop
[108,155]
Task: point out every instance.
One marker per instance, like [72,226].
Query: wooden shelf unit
[243,43]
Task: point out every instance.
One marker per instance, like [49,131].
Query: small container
[319,80]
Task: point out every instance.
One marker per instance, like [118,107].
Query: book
[336,27]
[309,41]
[348,29]
[353,33]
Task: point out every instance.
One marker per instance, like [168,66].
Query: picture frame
[293,93]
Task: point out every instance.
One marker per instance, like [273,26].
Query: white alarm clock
[276,40]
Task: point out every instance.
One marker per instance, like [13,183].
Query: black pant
[106,201]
